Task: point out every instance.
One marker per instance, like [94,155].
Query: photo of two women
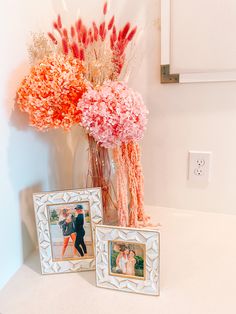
[70,231]
[127,259]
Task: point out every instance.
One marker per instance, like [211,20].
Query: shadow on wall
[28,227]
[68,158]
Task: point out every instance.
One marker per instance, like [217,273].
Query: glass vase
[102,173]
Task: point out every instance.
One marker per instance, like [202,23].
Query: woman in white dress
[122,260]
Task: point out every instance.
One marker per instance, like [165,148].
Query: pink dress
[130,267]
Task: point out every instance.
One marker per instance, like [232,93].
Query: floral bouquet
[76,78]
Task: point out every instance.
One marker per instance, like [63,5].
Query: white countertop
[198,275]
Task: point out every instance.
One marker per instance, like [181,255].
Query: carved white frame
[166,76]
[41,201]
[150,238]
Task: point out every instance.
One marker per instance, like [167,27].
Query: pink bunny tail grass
[75,50]
[95,31]
[65,33]
[84,37]
[56,27]
[72,31]
[125,30]
[59,23]
[120,36]
[114,33]
[81,54]
[111,42]
[102,29]
[103,37]
[90,35]
[132,33]
[121,188]
[105,8]
[65,47]
[53,38]
[78,25]
[111,23]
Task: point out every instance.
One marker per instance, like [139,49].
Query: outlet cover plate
[199,166]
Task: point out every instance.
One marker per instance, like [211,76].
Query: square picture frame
[128,259]
[65,222]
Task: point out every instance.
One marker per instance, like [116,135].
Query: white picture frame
[42,203]
[195,77]
[149,282]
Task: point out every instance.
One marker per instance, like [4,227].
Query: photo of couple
[70,229]
[127,259]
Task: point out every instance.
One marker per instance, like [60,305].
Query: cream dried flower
[40,48]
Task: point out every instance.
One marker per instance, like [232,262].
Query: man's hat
[79,207]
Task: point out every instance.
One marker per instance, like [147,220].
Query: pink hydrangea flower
[113,114]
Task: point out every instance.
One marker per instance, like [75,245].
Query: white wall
[182,117]
[23,156]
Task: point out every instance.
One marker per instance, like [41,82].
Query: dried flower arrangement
[50,93]
[76,79]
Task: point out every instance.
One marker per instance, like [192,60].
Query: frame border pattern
[151,238]
[41,201]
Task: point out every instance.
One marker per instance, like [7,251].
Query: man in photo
[80,232]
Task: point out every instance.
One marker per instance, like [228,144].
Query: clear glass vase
[102,173]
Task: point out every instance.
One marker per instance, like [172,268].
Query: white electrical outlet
[199,166]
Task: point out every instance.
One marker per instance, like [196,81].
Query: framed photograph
[128,259]
[66,223]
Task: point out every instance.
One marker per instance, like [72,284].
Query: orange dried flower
[50,93]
